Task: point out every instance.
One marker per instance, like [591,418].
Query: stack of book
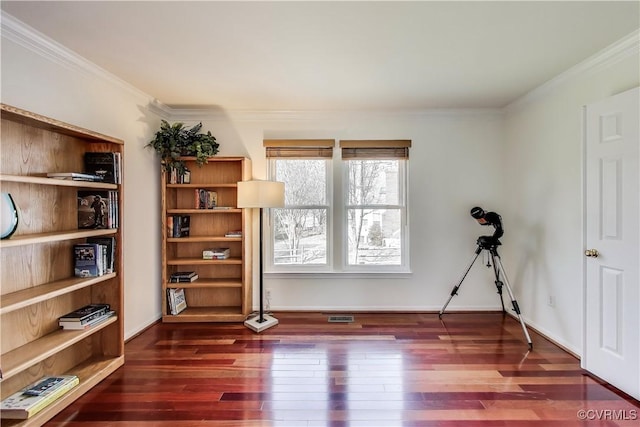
[75,176]
[205,199]
[178,225]
[37,396]
[216,253]
[177,300]
[86,317]
[233,233]
[183,277]
[108,165]
[176,177]
[94,258]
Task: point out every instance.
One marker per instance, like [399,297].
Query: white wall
[51,85]
[455,164]
[544,166]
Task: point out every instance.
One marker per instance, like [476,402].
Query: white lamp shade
[260,194]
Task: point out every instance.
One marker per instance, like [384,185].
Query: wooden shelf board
[214,159]
[36,351]
[20,299]
[208,283]
[200,261]
[90,373]
[41,180]
[204,211]
[207,314]
[30,239]
[36,120]
[204,185]
[196,239]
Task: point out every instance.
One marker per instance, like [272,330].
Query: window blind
[299,148]
[375,149]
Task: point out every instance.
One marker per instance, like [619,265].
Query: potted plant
[172,142]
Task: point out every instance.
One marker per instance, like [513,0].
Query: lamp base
[256,325]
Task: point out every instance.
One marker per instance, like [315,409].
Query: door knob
[593,253]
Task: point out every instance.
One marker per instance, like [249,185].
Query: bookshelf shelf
[24,357]
[20,299]
[204,211]
[208,283]
[194,239]
[200,261]
[210,298]
[56,236]
[37,283]
[207,314]
[204,185]
[41,180]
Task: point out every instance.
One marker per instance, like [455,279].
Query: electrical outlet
[551,301]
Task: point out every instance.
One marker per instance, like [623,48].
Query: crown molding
[216,113]
[614,53]
[25,36]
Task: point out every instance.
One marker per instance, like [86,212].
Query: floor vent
[340,319]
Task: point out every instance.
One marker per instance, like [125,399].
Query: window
[375,203]
[300,231]
[364,212]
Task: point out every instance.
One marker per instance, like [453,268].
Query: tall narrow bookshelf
[222,292]
[37,281]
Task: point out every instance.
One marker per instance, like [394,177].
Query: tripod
[491,246]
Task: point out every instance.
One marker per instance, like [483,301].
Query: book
[178,225]
[205,199]
[75,176]
[180,279]
[88,259]
[177,300]
[184,274]
[97,209]
[110,244]
[85,314]
[216,253]
[104,164]
[233,233]
[37,396]
[174,176]
[73,325]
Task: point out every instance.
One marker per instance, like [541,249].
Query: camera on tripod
[490,244]
[488,218]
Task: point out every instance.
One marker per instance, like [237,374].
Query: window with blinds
[355,221]
[375,202]
[300,231]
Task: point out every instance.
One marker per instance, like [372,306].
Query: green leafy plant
[172,142]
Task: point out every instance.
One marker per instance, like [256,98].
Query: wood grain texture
[383,369]
[36,264]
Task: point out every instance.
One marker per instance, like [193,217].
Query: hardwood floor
[380,370]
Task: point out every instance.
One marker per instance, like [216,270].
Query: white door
[612,238]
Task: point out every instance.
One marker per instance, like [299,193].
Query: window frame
[337,184]
[402,206]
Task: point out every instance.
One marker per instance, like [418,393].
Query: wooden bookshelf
[223,291]
[37,284]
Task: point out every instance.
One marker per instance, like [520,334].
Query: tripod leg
[516,308]
[454,291]
[498,281]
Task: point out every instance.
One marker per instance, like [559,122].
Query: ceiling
[361,55]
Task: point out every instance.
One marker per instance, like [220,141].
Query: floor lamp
[261,194]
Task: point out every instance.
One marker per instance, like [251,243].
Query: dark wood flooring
[381,370]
